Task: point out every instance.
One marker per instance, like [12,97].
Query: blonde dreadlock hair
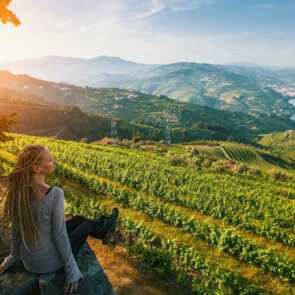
[21,190]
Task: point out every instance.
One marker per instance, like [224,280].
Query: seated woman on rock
[41,237]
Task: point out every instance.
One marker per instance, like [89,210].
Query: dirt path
[125,275]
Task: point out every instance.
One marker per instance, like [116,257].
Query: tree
[7,15]
[6,121]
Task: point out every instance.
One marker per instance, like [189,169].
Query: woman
[41,238]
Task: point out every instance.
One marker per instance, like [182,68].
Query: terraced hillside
[257,156]
[213,232]
[283,143]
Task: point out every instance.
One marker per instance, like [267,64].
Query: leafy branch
[7,15]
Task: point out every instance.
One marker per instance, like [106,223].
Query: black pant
[79,228]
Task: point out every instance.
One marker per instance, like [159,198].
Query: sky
[154,31]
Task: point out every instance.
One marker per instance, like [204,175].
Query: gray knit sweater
[55,249]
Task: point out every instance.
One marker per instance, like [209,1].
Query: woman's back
[45,257]
[54,248]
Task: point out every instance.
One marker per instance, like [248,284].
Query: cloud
[265,6]
[123,28]
[155,6]
[232,36]
[269,5]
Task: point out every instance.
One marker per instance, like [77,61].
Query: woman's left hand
[2,269]
[73,287]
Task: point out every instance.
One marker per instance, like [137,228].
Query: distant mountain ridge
[239,88]
[74,70]
[231,88]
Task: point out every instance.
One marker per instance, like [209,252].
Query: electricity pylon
[114,132]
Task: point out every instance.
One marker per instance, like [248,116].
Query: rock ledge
[17,281]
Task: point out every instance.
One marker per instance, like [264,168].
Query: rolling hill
[187,121]
[221,87]
[242,88]
[37,117]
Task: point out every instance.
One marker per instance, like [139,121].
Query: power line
[168,132]
[114,131]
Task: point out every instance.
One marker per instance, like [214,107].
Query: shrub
[254,171]
[84,139]
[162,150]
[278,175]
[207,162]
[239,168]
[175,160]
[192,161]
[222,165]
[136,138]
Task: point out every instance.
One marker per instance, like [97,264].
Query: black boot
[99,229]
[111,225]
[104,226]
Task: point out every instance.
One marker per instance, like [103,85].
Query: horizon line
[241,63]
